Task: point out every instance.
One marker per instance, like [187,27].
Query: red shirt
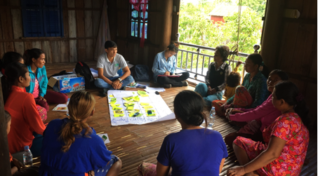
[25,119]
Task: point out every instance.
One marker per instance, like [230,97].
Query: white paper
[106,141]
[61,107]
[162,110]
[154,89]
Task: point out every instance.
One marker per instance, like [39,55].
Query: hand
[91,173]
[115,84]
[42,98]
[235,111]
[236,171]
[238,63]
[119,85]
[167,73]
[14,169]
[17,163]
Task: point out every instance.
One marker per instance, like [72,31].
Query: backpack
[82,69]
[140,73]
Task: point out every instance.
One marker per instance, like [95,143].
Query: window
[137,21]
[42,18]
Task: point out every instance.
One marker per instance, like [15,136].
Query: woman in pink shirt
[259,118]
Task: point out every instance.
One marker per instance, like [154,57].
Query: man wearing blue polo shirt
[107,65]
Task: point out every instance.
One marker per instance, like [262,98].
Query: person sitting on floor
[216,77]
[21,105]
[164,66]
[35,60]
[107,65]
[253,91]
[11,57]
[194,150]
[259,118]
[17,168]
[72,148]
[286,139]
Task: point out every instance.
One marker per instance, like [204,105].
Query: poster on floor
[137,107]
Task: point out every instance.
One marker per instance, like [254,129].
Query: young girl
[35,60]
[253,91]
[21,105]
[11,57]
[17,168]
[72,148]
[232,81]
[193,150]
[286,139]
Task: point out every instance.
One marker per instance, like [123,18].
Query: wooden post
[272,33]
[5,167]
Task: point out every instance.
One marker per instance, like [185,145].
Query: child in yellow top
[232,81]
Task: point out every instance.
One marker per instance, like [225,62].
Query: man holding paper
[107,65]
[164,67]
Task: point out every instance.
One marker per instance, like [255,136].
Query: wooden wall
[81,22]
[291,45]
[162,28]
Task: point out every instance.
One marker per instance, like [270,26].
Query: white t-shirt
[110,69]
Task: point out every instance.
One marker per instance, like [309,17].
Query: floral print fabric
[290,128]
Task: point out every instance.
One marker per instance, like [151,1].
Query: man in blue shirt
[165,65]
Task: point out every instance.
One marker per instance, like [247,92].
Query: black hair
[32,53]
[289,92]
[10,57]
[110,44]
[188,106]
[12,73]
[172,47]
[280,73]
[233,79]
[7,117]
[224,51]
[256,59]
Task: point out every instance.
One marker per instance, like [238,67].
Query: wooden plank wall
[80,20]
[297,51]
[159,30]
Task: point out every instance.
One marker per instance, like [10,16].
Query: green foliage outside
[196,28]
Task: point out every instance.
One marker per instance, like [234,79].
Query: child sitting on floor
[232,81]
[17,168]
[21,105]
[72,148]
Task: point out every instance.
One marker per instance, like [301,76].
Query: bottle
[212,117]
[27,157]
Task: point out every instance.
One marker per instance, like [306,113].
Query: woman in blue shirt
[35,61]
[165,65]
[72,148]
[193,150]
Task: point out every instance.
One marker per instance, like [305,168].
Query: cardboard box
[67,83]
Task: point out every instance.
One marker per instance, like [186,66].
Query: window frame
[139,20]
[45,10]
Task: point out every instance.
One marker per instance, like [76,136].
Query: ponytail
[80,107]
[12,74]
[30,54]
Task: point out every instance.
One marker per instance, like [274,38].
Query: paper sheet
[154,89]
[61,107]
[104,137]
[162,111]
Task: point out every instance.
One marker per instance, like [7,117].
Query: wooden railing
[202,61]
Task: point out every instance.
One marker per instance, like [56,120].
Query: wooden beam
[5,166]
